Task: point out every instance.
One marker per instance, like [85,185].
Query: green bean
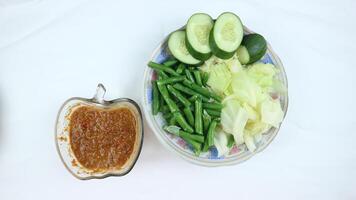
[183,134]
[179,96]
[162,75]
[167,116]
[172,121]
[198,123]
[164,108]
[164,92]
[201,90]
[182,122]
[197,77]
[170,63]
[189,75]
[166,69]
[213,106]
[170,80]
[205,145]
[189,115]
[230,141]
[197,138]
[180,68]
[211,133]
[155,98]
[196,145]
[204,78]
[193,98]
[189,91]
[206,121]
[213,113]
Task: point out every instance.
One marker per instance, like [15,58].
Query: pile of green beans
[182,96]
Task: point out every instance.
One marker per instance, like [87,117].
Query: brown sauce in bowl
[102,138]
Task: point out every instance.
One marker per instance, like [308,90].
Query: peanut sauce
[102,139]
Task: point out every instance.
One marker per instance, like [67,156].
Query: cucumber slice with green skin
[226,35]
[254,45]
[176,44]
[242,55]
[197,36]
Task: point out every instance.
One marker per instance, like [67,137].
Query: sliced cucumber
[197,36]
[242,55]
[176,44]
[254,45]
[226,35]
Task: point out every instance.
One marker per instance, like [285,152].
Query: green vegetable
[166,69]
[193,98]
[170,80]
[211,132]
[197,77]
[162,75]
[206,121]
[180,68]
[182,123]
[170,63]
[167,116]
[189,91]
[189,115]
[189,75]
[213,106]
[226,35]
[155,98]
[243,55]
[230,141]
[197,35]
[163,108]
[253,48]
[196,145]
[201,90]
[204,78]
[176,131]
[198,123]
[213,113]
[205,145]
[176,45]
[179,96]
[164,92]
[172,121]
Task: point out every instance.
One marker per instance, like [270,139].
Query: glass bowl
[174,143]
[62,138]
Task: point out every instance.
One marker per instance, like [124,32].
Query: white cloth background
[52,50]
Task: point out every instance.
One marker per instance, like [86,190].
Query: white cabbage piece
[271,112]
[250,142]
[246,89]
[233,119]
[262,73]
[219,78]
[220,142]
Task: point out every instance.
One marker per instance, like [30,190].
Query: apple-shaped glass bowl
[174,143]
[62,137]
